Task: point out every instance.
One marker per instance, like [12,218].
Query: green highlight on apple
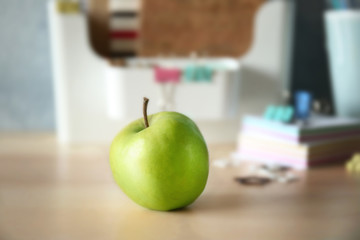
[160,161]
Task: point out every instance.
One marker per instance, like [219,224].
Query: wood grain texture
[210,27]
[53,191]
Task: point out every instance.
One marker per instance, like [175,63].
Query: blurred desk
[49,191]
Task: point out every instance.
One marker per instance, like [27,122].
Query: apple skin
[162,167]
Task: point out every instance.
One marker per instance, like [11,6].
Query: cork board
[214,28]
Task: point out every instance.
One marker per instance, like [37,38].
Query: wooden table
[54,192]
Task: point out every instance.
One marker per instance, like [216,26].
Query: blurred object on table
[303,104]
[322,140]
[353,165]
[342,22]
[260,174]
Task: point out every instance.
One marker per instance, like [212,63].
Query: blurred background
[80,69]
[27,96]
[27,70]
[272,84]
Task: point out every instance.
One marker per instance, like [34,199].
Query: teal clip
[288,114]
[279,113]
[198,74]
[189,73]
[207,74]
[270,112]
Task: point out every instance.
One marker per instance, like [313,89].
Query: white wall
[26,92]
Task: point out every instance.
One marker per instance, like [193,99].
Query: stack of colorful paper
[322,140]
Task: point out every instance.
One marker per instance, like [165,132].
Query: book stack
[321,140]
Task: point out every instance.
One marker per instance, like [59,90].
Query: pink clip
[164,75]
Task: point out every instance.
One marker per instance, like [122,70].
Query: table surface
[52,191]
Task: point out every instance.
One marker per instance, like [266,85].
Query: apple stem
[146,101]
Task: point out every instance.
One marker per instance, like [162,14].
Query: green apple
[161,162]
